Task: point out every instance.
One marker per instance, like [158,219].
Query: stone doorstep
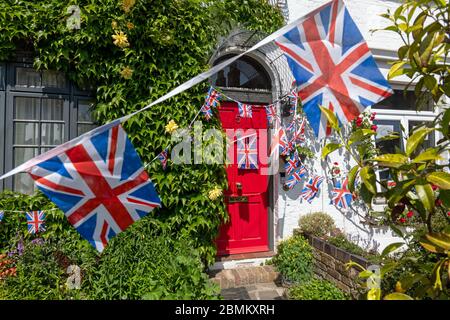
[234,278]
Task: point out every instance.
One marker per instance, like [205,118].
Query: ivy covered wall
[132,52]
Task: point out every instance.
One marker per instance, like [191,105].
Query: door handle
[239,185]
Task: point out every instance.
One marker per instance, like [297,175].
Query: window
[42,111]
[243,73]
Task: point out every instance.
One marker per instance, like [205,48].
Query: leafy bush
[294,259]
[318,224]
[316,289]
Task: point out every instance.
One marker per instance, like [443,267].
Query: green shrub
[294,259]
[318,224]
[316,289]
[342,242]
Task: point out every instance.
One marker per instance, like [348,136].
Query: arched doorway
[248,196]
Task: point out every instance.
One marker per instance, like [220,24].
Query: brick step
[244,276]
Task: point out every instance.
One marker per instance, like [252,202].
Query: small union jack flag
[296,177]
[212,100]
[245,110]
[292,162]
[247,152]
[100,184]
[285,145]
[163,157]
[333,66]
[293,100]
[36,221]
[311,189]
[272,115]
[207,112]
[340,195]
[2,214]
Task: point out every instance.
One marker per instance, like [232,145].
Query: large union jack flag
[340,195]
[311,189]
[247,152]
[100,185]
[296,177]
[333,66]
[36,221]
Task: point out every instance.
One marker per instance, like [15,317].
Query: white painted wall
[289,204]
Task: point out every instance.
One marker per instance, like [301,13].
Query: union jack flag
[36,221]
[212,100]
[272,115]
[207,111]
[340,195]
[333,66]
[311,189]
[286,146]
[163,157]
[291,162]
[296,177]
[247,152]
[2,214]
[245,110]
[100,184]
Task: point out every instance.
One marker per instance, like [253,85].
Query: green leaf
[431,154]
[393,160]
[444,195]
[352,177]
[416,139]
[397,296]
[441,179]
[368,177]
[392,247]
[329,148]
[331,117]
[396,70]
[445,123]
[426,196]
[440,240]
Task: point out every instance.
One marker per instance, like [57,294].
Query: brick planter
[329,264]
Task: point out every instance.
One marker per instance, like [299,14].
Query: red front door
[247,195]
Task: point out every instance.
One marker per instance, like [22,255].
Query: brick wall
[329,264]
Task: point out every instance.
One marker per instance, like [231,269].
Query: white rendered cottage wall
[290,207]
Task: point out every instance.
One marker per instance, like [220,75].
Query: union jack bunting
[311,189]
[332,65]
[163,157]
[340,195]
[245,110]
[293,101]
[100,185]
[207,112]
[247,152]
[296,177]
[292,162]
[36,221]
[2,214]
[271,113]
[286,146]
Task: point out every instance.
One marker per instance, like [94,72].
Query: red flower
[335,163]
[402,220]
[448,213]
[410,214]
[438,202]
[372,116]
[359,122]
[337,171]
[374,127]
[434,187]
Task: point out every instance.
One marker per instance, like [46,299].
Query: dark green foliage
[316,289]
[170,42]
[342,242]
[294,259]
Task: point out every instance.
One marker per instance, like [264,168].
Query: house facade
[39,110]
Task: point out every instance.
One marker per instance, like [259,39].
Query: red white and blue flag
[99,184]
[212,100]
[340,195]
[292,162]
[296,177]
[286,145]
[333,66]
[311,189]
[247,152]
[245,110]
[36,222]
[164,157]
[293,101]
